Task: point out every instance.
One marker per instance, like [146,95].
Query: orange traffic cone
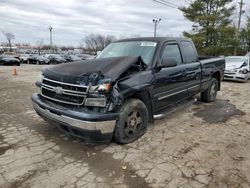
[14,72]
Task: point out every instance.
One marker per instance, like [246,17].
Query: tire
[210,94]
[132,122]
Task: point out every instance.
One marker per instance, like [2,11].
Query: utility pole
[239,23]
[156,22]
[50,36]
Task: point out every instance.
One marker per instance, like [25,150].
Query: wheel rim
[133,123]
[213,90]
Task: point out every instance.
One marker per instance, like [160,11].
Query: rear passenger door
[192,67]
[170,84]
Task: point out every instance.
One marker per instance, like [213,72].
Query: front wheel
[132,122]
[210,94]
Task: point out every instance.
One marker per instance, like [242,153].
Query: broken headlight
[244,71]
[103,86]
[100,88]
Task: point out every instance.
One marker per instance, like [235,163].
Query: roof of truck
[156,39]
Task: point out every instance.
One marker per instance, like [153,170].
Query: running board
[175,108]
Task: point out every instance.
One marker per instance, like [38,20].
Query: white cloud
[73,19]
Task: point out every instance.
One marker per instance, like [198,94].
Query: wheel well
[218,77]
[144,96]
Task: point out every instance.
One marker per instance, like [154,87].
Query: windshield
[236,60]
[145,49]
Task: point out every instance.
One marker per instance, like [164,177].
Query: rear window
[189,52]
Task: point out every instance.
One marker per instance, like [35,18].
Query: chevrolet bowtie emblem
[58,90]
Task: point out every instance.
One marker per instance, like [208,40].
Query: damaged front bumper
[90,126]
[235,76]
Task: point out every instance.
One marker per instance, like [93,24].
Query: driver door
[170,84]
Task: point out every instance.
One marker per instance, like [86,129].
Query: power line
[166,3]
[172,4]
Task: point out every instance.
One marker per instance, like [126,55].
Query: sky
[72,20]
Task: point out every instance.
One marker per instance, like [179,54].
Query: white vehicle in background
[237,68]
[248,54]
[24,58]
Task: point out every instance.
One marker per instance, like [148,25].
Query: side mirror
[168,62]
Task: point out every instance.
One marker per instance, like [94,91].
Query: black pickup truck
[118,94]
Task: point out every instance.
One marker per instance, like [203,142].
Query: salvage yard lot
[202,145]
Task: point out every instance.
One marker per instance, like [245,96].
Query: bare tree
[39,44]
[97,42]
[9,37]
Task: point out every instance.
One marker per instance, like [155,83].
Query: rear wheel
[210,94]
[132,122]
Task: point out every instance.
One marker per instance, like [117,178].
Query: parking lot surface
[202,145]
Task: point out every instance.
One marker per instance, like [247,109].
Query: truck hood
[111,68]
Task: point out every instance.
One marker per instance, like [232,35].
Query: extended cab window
[189,52]
[173,51]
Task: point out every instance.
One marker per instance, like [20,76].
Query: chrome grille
[63,92]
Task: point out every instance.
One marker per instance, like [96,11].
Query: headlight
[100,88]
[99,102]
[244,71]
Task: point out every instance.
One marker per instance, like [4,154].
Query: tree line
[91,43]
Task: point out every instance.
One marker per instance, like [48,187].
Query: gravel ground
[202,145]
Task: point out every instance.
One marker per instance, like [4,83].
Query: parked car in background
[9,60]
[70,58]
[12,54]
[248,54]
[66,57]
[55,59]
[37,59]
[24,58]
[86,56]
[237,68]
